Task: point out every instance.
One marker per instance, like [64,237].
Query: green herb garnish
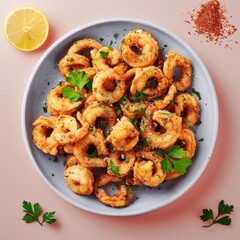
[113,168]
[79,79]
[93,154]
[197,93]
[123,100]
[174,157]
[221,218]
[104,54]
[33,214]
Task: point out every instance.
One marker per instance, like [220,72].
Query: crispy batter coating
[59,105]
[43,135]
[167,120]
[187,106]
[145,44]
[123,136]
[121,199]
[158,84]
[78,178]
[174,60]
[81,148]
[108,86]
[149,171]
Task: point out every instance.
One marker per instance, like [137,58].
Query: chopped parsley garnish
[197,93]
[104,54]
[115,35]
[45,109]
[123,100]
[113,168]
[93,154]
[139,96]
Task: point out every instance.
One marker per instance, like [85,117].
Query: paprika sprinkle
[211,22]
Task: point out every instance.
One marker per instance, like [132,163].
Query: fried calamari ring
[188,142]
[73,62]
[87,47]
[43,135]
[92,141]
[71,161]
[78,178]
[108,86]
[121,199]
[68,130]
[151,81]
[176,60]
[124,165]
[124,136]
[82,44]
[101,116]
[149,171]
[187,106]
[162,103]
[58,105]
[81,47]
[171,123]
[145,44]
[133,110]
[106,58]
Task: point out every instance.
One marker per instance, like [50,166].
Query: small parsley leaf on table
[223,209]
[33,214]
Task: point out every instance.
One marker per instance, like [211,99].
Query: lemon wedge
[26,28]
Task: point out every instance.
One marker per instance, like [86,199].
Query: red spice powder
[211,22]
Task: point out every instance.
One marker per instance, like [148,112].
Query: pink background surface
[20,181]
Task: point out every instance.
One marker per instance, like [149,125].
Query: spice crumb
[210,21]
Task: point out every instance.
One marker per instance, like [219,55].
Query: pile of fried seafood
[132,106]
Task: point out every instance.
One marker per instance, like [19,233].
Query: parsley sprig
[79,79]
[33,214]
[221,218]
[174,158]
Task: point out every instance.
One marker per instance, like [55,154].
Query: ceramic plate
[46,76]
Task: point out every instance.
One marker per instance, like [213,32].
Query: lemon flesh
[26,28]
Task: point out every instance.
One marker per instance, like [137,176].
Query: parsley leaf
[181,165]
[223,209]
[166,165]
[173,158]
[113,168]
[70,93]
[48,217]
[33,214]
[176,151]
[139,96]
[79,79]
